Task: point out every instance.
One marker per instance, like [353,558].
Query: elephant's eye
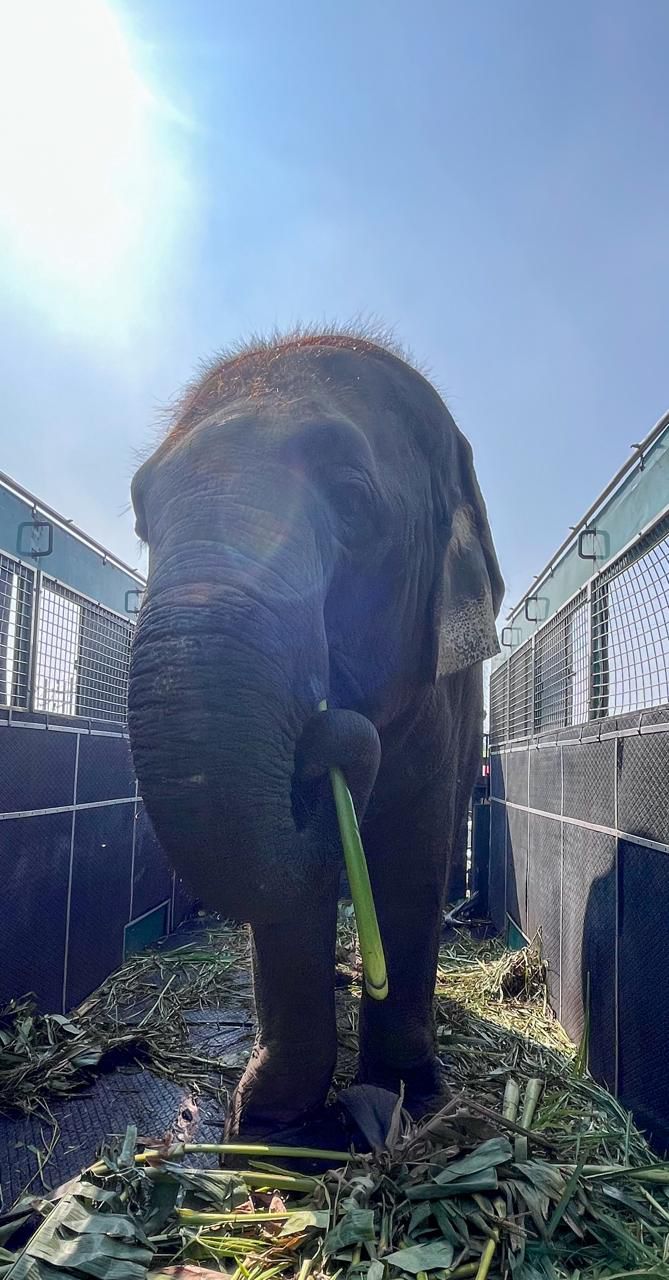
[141,526]
[353,505]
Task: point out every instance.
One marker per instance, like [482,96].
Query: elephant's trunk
[218,701]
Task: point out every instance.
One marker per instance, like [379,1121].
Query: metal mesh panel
[105,769]
[36,771]
[82,657]
[643,798]
[16,606]
[561,665]
[152,877]
[588,943]
[544,875]
[497,787]
[546,779]
[100,897]
[515,774]
[520,693]
[497,872]
[34,864]
[630,629]
[644,993]
[498,705]
[516,867]
[589,782]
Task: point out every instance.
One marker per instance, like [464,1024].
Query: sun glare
[84,161]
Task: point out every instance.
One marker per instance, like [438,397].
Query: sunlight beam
[83,155]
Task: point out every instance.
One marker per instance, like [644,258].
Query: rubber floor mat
[35,1155]
[156,1105]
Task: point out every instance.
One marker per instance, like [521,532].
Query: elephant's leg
[289,1074]
[408,855]
[291,1067]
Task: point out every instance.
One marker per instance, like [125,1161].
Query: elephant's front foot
[280,1094]
[398,1047]
[426,1090]
[425,1087]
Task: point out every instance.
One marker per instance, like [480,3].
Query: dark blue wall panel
[643,797]
[36,768]
[496,884]
[100,902]
[644,993]
[153,877]
[34,873]
[544,875]
[497,788]
[516,866]
[105,769]
[589,943]
[184,902]
[37,771]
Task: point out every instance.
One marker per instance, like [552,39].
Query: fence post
[34,623]
[533,691]
[480,868]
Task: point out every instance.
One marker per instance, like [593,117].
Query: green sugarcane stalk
[307,1266]
[371,947]
[262,1181]
[532,1096]
[204,1218]
[487,1257]
[232,1246]
[511,1099]
[227,1148]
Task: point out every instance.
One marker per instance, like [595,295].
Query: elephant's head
[315,531]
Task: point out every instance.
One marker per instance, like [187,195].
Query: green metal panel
[148,929]
[80,566]
[515,939]
[642,497]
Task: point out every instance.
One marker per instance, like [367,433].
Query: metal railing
[60,652]
[499,705]
[630,633]
[605,653]
[16,607]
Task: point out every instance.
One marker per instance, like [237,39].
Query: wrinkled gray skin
[315,531]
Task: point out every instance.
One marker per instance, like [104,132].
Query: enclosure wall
[83,878]
[579,846]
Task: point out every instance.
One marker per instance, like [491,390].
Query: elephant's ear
[468,587]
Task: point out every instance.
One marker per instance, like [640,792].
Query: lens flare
[86,170]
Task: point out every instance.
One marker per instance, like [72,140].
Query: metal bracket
[640,455]
[528,616]
[508,644]
[586,533]
[135,591]
[35,551]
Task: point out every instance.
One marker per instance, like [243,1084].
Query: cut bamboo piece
[371,947]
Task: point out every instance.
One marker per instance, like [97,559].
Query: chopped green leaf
[356,1227]
[423,1257]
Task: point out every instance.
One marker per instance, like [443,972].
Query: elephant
[316,532]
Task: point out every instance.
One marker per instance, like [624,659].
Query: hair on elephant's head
[315,530]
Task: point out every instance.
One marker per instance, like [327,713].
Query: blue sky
[489,178]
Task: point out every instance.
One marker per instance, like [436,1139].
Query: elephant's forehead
[293,376]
